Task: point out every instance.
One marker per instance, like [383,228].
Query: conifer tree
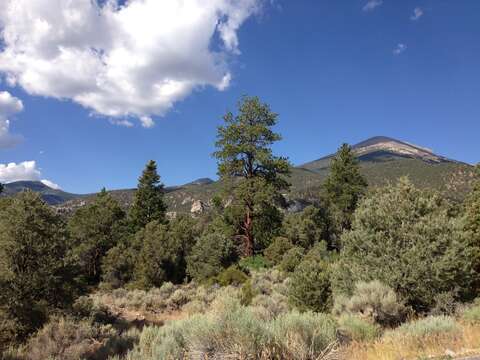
[344,186]
[148,204]
[472,219]
[407,238]
[95,229]
[253,175]
[34,278]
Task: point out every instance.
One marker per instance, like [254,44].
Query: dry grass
[462,343]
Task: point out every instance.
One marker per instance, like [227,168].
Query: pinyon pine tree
[95,229]
[34,278]
[148,204]
[254,176]
[408,239]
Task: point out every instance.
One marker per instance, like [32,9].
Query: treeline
[413,242]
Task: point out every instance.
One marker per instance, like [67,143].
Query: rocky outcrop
[198,207]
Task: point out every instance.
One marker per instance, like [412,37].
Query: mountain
[382,160]
[49,195]
[382,149]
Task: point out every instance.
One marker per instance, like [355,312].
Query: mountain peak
[381,149]
[383,140]
[396,147]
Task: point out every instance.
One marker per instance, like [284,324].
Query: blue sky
[329,68]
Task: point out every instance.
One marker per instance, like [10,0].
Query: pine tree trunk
[248,235]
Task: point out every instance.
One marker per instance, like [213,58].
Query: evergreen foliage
[344,186]
[309,227]
[95,229]
[253,176]
[292,258]
[160,256]
[277,249]
[407,239]
[212,253]
[148,204]
[34,278]
[310,287]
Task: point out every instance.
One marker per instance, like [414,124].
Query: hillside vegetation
[366,270]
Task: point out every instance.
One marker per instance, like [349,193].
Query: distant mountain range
[382,160]
[51,196]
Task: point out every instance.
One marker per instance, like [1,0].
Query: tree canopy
[253,175]
[148,204]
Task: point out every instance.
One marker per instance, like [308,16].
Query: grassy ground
[457,344]
[199,317]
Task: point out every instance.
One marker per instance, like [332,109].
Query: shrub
[374,301]
[358,329]
[432,325]
[310,226]
[268,307]
[178,299]
[84,308]
[292,258]
[472,314]
[211,254]
[8,331]
[303,336]
[67,340]
[232,276]
[118,265]
[252,263]
[268,281]
[407,239]
[247,293]
[277,249]
[445,304]
[310,286]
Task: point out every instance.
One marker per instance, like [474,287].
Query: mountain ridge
[382,159]
[380,148]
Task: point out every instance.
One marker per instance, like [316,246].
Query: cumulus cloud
[372,5]
[9,106]
[131,60]
[400,49]
[417,14]
[26,171]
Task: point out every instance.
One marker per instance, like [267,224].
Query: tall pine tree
[148,204]
[254,176]
[344,186]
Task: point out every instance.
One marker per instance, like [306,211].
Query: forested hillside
[372,262]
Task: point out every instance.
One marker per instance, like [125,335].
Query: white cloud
[372,5]
[9,106]
[400,49]
[417,14]
[51,184]
[26,171]
[133,60]
[125,123]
